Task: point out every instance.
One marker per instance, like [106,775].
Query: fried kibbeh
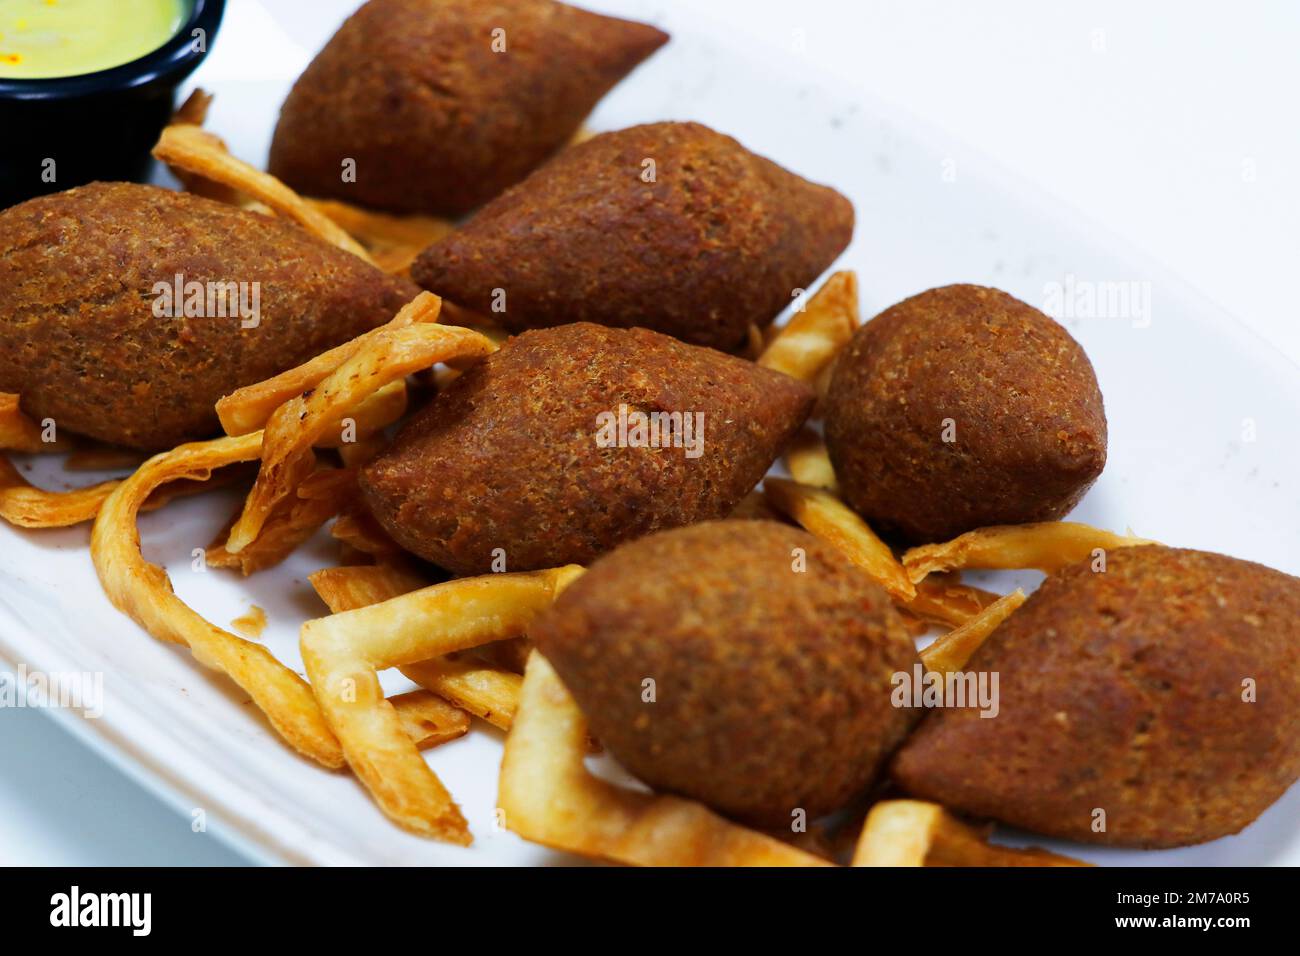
[1153,704]
[83,341]
[537,454]
[959,408]
[745,664]
[668,226]
[442,104]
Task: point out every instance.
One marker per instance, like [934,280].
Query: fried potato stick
[830,519]
[344,652]
[814,334]
[247,409]
[300,422]
[190,148]
[25,505]
[809,461]
[488,692]
[952,651]
[143,591]
[392,241]
[942,599]
[428,719]
[547,796]
[19,433]
[915,833]
[1045,545]
[292,523]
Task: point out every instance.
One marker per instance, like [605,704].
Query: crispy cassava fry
[143,591]
[294,520]
[343,653]
[346,589]
[954,649]
[372,414]
[914,833]
[392,241]
[247,409]
[27,506]
[19,433]
[547,796]
[428,719]
[814,334]
[486,691]
[809,461]
[821,513]
[943,599]
[103,458]
[297,424]
[190,148]
[1045,545]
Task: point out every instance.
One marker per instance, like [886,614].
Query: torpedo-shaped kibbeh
[771,655]
[668,226]
[963,407]
[1152,704]
[86,340]
[533,457]
[442,104]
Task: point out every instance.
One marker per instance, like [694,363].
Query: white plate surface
[1203,443]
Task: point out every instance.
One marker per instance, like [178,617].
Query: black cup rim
[171,62]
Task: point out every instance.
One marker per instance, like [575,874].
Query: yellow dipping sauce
[40,39]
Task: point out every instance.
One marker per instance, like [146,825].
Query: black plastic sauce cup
[67,131]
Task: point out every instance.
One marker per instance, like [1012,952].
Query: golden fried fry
[943,599]
[19,433]
[428,719]
[952,651]
[373,414]
[488,692]
[346,589]
[813,335]
[343,653]
[300,422]
[103,458]
[547,796]
[293,522]
[247,409]
[809,461]
[143,591]
[914,833]
[823,514]
[190,148]
[23,504]
[1046,546]
[392,241]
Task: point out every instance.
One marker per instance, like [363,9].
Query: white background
[1174,124]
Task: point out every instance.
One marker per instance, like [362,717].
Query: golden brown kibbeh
[716,240]
[771,685]
[442,104]
[959,408]
[516,454]
[1162,692]
[80,342]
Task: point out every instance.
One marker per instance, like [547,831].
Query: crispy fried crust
[78,338]
[719,239]
[508,456]
[771,685]
[1123,692]
[437,118]
[1026,412]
